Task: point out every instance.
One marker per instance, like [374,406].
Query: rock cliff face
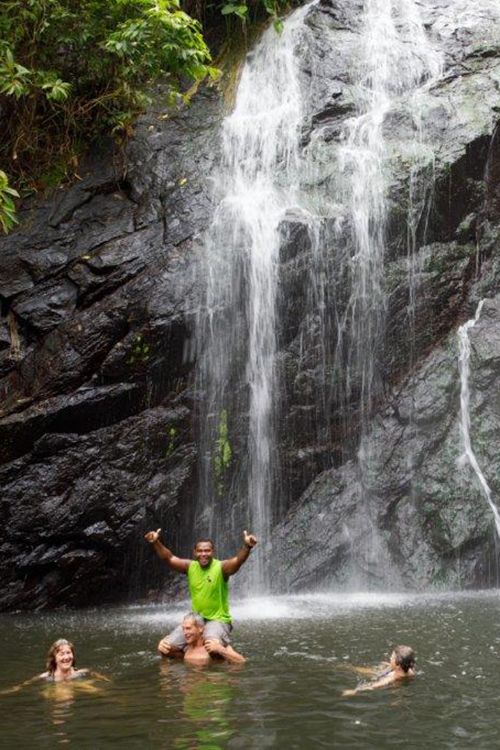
[100,289]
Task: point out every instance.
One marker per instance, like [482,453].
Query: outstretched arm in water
[90,674]
[173,562]
[394,675]
[16,688]
[231,566]
[364,671]
[383,682]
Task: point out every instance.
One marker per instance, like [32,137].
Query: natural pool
[288,695]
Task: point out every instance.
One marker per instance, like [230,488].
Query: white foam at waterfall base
[468,454]
[268,608]
[319,606]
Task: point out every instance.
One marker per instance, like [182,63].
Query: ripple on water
[288,695]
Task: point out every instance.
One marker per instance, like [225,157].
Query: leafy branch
[71,71]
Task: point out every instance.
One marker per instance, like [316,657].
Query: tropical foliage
[7,208]
[243,10]
[70,69]
[73,69]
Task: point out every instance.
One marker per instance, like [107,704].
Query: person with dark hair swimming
[208,586]
[401,666]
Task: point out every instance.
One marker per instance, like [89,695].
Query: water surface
[288,695]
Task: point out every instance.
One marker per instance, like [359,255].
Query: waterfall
[468,454]
[397,66]
[257,183]
[338,356]
[398,62]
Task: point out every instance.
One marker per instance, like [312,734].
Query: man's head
[404,657]
[204,552]
[192,627]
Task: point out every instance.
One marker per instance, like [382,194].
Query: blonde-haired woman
[61,663]
[61,667]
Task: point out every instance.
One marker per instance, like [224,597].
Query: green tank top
[209,590]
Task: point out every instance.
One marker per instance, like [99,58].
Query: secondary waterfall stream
[465,422]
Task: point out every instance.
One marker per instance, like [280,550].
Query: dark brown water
[288,695]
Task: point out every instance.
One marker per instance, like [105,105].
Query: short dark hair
[405,657]
[205,541]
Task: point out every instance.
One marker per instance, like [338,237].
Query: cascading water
[398,61]
[398,65]
[257,182]
[340,344]
[468,455]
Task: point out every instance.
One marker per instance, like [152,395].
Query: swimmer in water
[61,663]
[61,667]
[198,651]
[401,666]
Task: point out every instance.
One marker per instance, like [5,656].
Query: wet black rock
[410,510]
[74,508]
[100,288]
[47,306]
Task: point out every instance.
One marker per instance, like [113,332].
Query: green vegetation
[141,352]
[171,442]
[71,71]
[243,11]
[7,208]
[223,452]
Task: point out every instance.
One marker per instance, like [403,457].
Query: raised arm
[231,566]
[173,562]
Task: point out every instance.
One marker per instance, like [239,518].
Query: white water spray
[468,453]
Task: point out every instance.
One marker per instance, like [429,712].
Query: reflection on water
[60,699]
[204,710]
[300,652]
[203,696]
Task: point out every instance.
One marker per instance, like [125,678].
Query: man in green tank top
[208,587]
